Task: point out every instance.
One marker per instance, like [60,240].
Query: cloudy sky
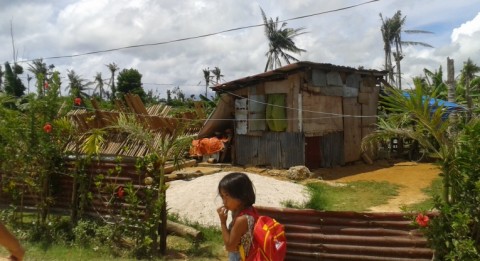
[349,37]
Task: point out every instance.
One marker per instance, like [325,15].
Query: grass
[178,249]
[354,196]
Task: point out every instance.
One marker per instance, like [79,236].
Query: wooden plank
[369,113]
[352,134]
[369,122]
[321,114]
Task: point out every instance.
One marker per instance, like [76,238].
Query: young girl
[238,196]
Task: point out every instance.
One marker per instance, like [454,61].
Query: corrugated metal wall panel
[332,150]
[321,235]
[275,149]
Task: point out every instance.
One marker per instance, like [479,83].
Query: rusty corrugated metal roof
[284,71]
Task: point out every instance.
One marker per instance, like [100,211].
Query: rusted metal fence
[325,235]
[311,235]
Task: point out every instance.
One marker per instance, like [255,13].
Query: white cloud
[467,29]
[349,37]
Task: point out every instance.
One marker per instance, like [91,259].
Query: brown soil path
[413,177]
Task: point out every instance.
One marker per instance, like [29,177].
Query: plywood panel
[321,114]
[224,110]
[352,129]
[241,116]
[369,113]
[290,87]
[256,113]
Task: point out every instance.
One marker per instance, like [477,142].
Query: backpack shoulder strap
[249,211]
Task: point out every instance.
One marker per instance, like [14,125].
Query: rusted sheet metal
[63,186]
[332,150]
[276,149]
[283,72]
[311,235]
[324,235]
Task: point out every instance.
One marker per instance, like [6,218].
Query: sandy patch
[197,199]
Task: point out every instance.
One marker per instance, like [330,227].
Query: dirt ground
[412,176]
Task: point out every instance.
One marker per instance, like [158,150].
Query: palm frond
[93,142]
[410,43]
[417,32]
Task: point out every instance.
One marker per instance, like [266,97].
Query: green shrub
[455,233]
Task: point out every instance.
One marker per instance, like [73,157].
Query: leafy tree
[13,84]
[432,83]
[130,81]
[1,77]
[41,72]
[34,131]
[469,79]
[454,233]
[392,29]
[280,42]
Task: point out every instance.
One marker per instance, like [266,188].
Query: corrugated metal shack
[305,113]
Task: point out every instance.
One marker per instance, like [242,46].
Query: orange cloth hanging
[207,146]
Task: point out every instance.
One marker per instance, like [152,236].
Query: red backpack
[269,241]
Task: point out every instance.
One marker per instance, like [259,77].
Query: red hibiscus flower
[78,101]
[422,220]
[45,85]
[47,128]
[120,192]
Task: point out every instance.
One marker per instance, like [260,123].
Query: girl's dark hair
[238,186]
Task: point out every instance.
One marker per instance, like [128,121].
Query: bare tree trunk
[450,80]
[399,73]
[451,94]
[468,97]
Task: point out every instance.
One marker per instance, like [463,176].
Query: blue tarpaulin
[434,103]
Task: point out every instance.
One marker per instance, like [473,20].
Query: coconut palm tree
[467,77]
[280,42]
[217,73]
[113,68]
[166,147]
[457,155]
[38,66]
[99,84]
[411,116]
[208,78]
[392,29]
[77,86]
